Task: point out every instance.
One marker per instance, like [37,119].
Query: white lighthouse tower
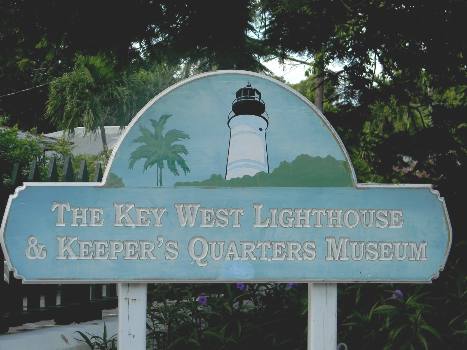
[248,123]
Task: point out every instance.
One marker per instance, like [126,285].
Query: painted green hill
[113,180]
[303,171]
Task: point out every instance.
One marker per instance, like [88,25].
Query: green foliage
[404,318]
[143,84]
[62,152]
[62,148]
[14,149]
[96,342]
[159,149]
[95,93]
[90,95]
[188,30]
[40,43]
[361,35]
[91,162]
[419,139]
[113,180]
[3,120]
[271,316]
[308,88]
[24,148]
[303,171]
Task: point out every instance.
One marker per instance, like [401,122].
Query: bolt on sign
[227,176]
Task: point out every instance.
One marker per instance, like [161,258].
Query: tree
[20,149]
[401,114]
[16,147]
[40,41]
[362,34]
[144,83]
[189,29]
[91,95]
[95,93]
[159,149]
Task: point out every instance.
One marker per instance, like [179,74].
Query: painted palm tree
[159,149]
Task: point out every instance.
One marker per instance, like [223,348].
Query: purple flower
[240,286]
[291,285]
[397,295]
[202,299]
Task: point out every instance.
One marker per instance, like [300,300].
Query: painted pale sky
[200,108]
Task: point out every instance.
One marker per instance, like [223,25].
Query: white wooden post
[132,299]
[322,316]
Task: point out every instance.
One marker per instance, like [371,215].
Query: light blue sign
[201,188]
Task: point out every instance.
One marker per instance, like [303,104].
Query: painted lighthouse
[248,122]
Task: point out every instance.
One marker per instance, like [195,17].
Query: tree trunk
[160,177]
[319,91]
[103,137]
[157,176]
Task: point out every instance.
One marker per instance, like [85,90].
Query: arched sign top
[230,129]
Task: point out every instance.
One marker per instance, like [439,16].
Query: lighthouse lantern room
[248,122]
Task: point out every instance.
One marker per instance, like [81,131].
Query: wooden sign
[228,176]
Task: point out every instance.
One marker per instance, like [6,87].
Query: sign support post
[322,316]
[132,299]
[322,297]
